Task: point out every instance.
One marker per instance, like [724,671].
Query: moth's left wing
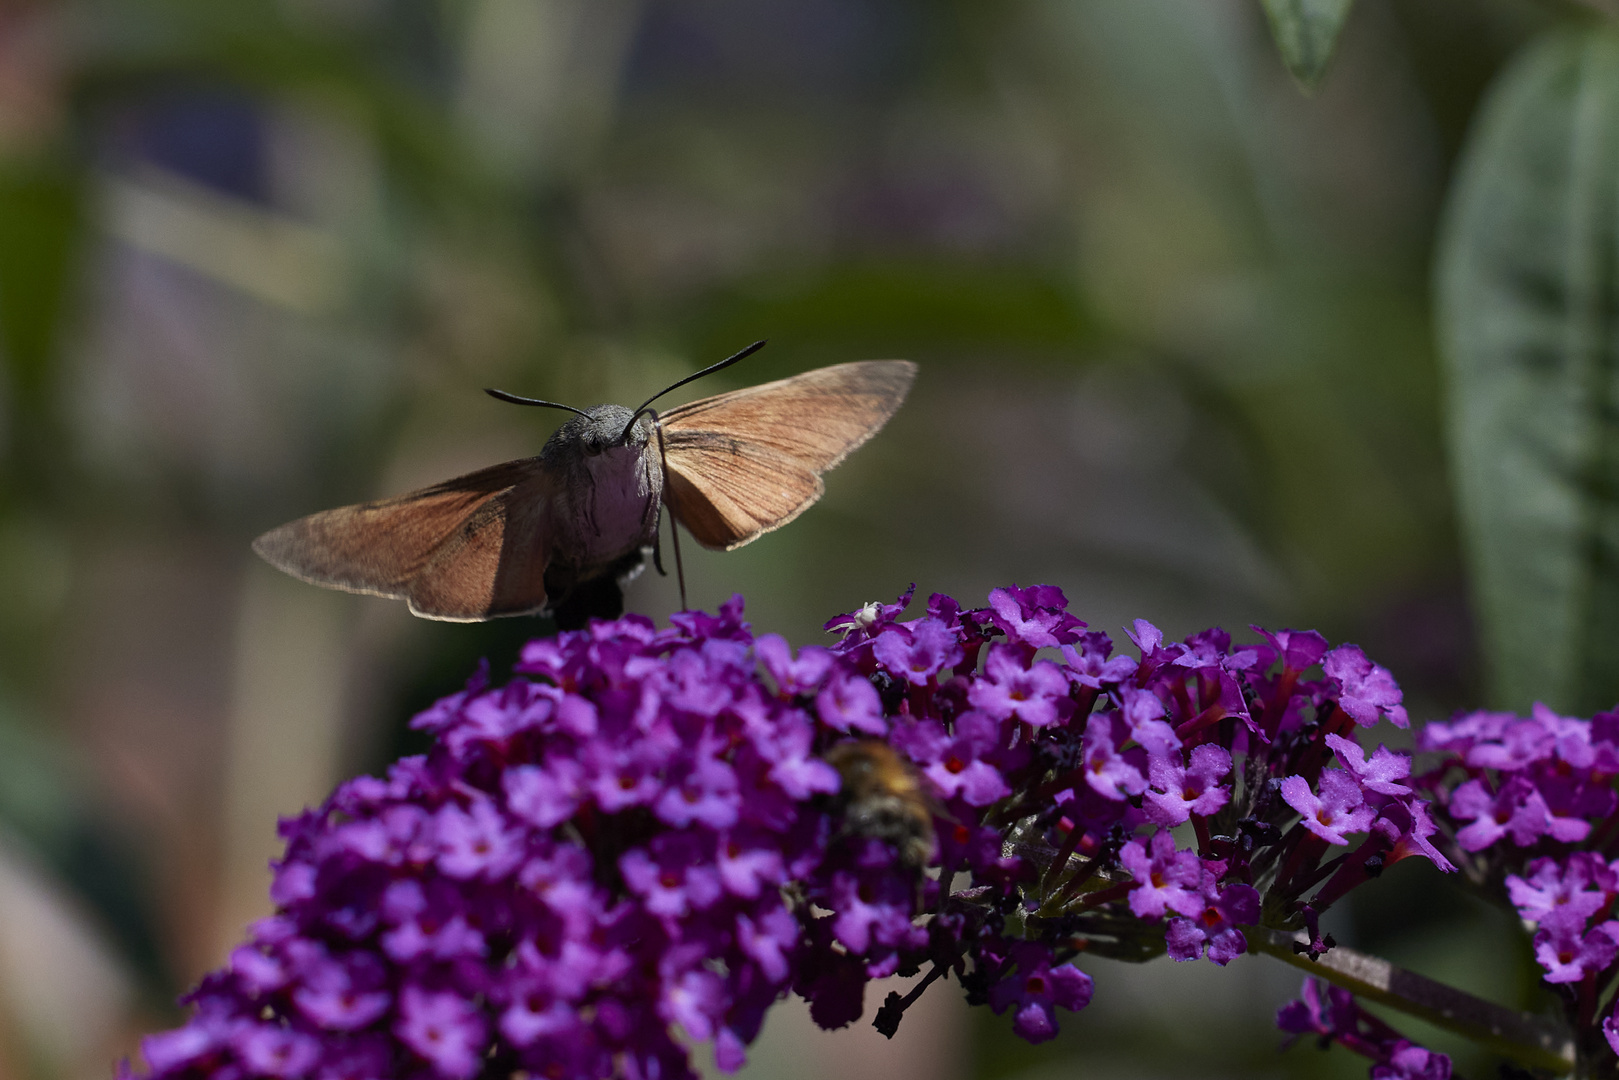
[468,549]
[743,463]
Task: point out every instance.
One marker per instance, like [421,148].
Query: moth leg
[657,554]
[669,493]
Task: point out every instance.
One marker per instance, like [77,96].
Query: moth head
[603,427]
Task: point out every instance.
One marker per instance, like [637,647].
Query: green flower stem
[1532,1040]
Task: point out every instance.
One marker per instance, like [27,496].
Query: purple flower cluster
[1333,1015]
[589,857]
[654,832]
[1529,804]
[1097,758]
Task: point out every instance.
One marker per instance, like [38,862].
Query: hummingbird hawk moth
[562,532]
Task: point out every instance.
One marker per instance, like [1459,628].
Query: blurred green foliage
[1530,286]
[45,802]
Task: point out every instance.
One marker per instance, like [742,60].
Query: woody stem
[1531,1040]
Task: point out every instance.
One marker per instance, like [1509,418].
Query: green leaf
[1528,280]
[1306,32]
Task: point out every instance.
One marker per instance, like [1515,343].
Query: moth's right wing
[744,463]
[469,549]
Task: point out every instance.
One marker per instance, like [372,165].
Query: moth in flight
[562,533]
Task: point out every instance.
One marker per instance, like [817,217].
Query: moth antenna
[501,395]
[709,370]
[669,497]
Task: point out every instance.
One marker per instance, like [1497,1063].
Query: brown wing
[465,550]
[743,463]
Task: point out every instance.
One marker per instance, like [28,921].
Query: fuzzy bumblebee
[881,798]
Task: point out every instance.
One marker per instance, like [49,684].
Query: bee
[882,799]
